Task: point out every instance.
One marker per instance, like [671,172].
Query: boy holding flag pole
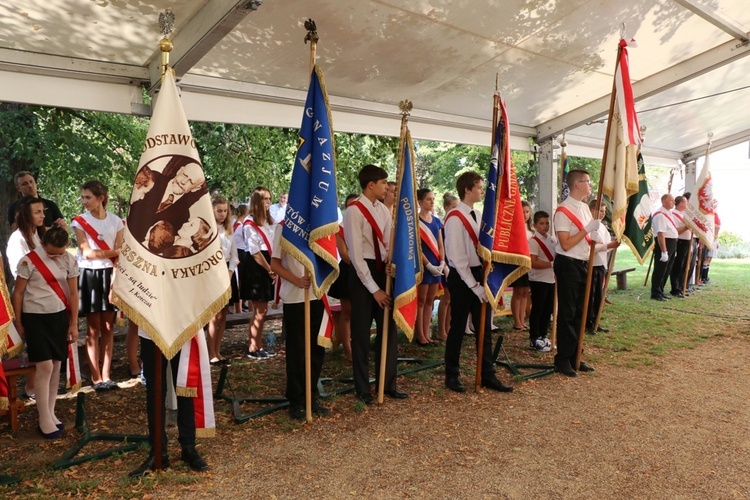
[405,252]
[308,236]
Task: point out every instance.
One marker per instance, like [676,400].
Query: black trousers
[185,410]
[677,276]
[662,269]
[571,289]
[542,304]
[463,302]
[364,310]
[598,273]
[294,328]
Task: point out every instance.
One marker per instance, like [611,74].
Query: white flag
[171,275]
[699,214]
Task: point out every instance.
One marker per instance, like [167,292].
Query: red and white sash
[574,219]
[466,223]
[93,234]
[325,332]
[428,238]
[194,381]
[543,248]
[667,215]
[377,233]
[59,284]
[251,223]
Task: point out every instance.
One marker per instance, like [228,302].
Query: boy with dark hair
[367,231]
[465,283]
[542,282]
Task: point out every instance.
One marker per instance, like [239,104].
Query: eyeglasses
[587,181]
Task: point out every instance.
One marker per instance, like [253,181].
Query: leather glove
[479,292]
[596,237]
[433,269]
[664,257]
[593,225]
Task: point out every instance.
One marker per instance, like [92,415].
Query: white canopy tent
[245,62]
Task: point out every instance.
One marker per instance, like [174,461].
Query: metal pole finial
[312,31]
[405,106]
[166,26]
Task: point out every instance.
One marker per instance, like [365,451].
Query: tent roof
[245,62]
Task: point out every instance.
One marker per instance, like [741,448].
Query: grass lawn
[642,329]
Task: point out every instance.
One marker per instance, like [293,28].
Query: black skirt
[235,279]
[93,291]
[521,282]
[255,283]
[46,335]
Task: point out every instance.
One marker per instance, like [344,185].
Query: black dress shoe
[679,295]
[494,384]
[666,297]
[590,330]
[320,410]
[602,329]
[454,385]
[191,457]
[149,465]
[566,370]
[396,394]
[660,299]
[297,413]
[366,398]
[583,367]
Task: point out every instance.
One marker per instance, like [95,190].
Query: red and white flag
[621,164]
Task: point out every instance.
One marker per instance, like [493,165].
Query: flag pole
[553,340]
[592,251]
[166,23]
[648,271]
[483,310]
[405,106]
[312,37]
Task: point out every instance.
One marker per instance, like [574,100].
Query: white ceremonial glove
[479,292]
[446,269]
[593,225]
[596,237]
[433,269]
[664,257]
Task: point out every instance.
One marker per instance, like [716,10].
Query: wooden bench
[13,369]
[622,277]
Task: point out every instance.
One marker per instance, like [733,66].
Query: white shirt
[600,257]
[108,229]
[459,247]
[254,241]
[678,218]
[542,275]
[288,292]
[358,236]
[17,248]
[563,223]
[663,222]
[278,212]
[39,297]
[239,238]
[229,249]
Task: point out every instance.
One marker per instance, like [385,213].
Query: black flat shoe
[396,394]
[423,344]
[602,329]
[191,457]
[149,465]
[51,435]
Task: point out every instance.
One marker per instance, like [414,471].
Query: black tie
[473,215]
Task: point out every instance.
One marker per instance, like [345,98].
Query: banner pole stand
[132,441]
[515,368]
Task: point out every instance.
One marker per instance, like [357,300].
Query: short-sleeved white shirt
[39,297]
[542,275]
[107,228]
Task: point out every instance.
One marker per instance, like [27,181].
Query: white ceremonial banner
[699,214]
[171,275]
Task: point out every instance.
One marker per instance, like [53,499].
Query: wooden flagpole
[648,271]
[405,107]
[553,339]
[483,311]
[312,37]
[166,23]
[592,251]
